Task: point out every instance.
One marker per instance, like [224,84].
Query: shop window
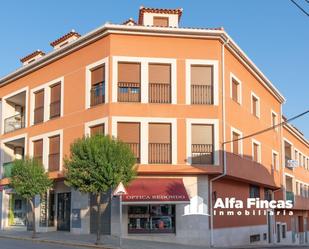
[151,219]
[283,231]
[255,238]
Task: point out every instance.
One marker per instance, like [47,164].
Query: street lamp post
[120,191]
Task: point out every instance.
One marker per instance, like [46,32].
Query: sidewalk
[109,242]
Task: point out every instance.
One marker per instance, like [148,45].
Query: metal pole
[120,208]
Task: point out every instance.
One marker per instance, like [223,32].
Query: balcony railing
[14,123]
[129,92]
[135,148]
[38,115]
[159,153]
[201,94]
[159,93]
[290,196]
[97,94]
[7,169]
[202,153]
[286,161]
[53,162]
[55,109]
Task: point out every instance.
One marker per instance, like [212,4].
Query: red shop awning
[156,190]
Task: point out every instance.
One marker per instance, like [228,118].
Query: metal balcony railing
[201,94]
[54,109]
[159,93]
[53,162]
[202,153]
[129,92]
[97,94]
[135,148]
[38,115]
[159,153]
[7,169]
[14,123]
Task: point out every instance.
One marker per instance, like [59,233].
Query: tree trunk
[98,242]
[33,219]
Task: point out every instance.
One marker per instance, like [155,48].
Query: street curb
[65,243]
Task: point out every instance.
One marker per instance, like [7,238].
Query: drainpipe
[223,144]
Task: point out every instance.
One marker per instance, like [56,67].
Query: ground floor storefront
[165,209]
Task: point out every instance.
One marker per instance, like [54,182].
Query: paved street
[25,244]
[18,244]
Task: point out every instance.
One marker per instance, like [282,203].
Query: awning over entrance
[156,190]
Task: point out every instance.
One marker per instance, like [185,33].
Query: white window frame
[3,116]
[144,62]
[258,108]
[214,64]
[271,119]
[272,159]
[144,133]
[96,122]
[46,87]
[240,142]
[45,138]
[239,88]
[91,66]
[215,123]
[254,141]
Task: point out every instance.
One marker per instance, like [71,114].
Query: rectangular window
[160,21]
[202,144]
[254,191]
[159,83]
[38,150]
[129,133]
[97,92]
[129,82]
[39,107]
[283,231]
[255,106]
[287,153]
[54,154]
[55,101]
[274,161]
[274,119]
[256,153]
[158,218]
[267,194]
[201,84]
[159,143]
[236,143]
[97,129]
[235,91]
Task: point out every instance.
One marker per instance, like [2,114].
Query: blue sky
[274,34]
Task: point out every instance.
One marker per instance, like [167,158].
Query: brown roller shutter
[235,90]
[98,75]
[54,153]
[160,73]
[129,72]
[235,143]
[39,107]
[55,100]
[129,132]
[38,150]
[39,99]
[98,129]
[159,133]
[160,21]
[201,75]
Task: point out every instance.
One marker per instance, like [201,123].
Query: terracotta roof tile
[143,10]
[32,55]
[64,37]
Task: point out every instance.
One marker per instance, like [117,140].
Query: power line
[302,9]
[268,129]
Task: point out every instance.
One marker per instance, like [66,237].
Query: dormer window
[160,21]
[159,17]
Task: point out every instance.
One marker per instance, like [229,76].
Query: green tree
[28,180]
[96,165]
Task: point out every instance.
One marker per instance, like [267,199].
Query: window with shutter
[54,153]
[159,83]
[38,150]
[55,101]
[97,85]
[38,107]
[201,84]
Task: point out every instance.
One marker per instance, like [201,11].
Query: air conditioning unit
[292,164]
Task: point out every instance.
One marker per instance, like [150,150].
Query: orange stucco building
[182,99]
